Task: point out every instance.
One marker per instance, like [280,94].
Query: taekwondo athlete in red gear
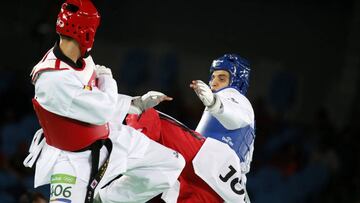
[222,158]
[80,111]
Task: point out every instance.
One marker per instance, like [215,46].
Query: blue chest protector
[239,140]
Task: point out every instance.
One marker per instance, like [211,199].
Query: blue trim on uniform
[61,200]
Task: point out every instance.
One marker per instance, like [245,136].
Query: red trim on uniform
[83,63]
[45,69]
[57,64]
[68,134]
[92,82]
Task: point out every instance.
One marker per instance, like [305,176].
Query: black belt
[97,174]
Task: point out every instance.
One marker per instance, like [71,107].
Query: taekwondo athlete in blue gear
[239,139]
[228,116]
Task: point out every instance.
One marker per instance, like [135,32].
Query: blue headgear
[239,69]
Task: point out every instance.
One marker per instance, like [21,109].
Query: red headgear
[79,20]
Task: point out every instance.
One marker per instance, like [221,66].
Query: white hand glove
[204,93]
[102,70]
[148,100]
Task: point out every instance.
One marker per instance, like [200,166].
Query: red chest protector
[68,134]
[62,132]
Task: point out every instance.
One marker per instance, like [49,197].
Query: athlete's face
[219,79]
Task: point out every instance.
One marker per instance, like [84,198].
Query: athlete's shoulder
[230,92]
[234,96]
[48,63]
